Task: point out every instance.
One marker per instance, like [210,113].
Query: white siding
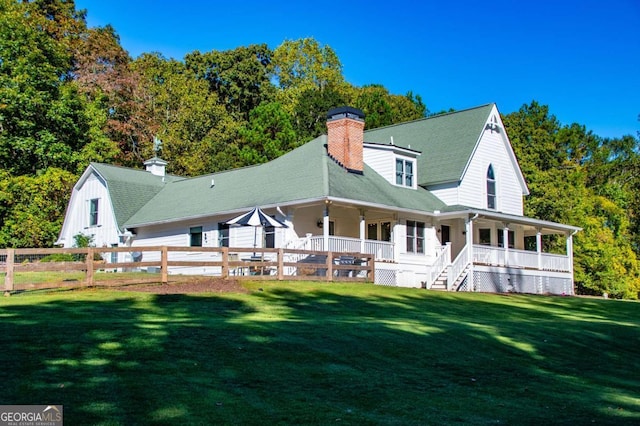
[77,219]
[492,150]
[382,161]
[447,192]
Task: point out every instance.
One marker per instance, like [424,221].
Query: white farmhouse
[438,201]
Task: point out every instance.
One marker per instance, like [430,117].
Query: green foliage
[267,135]
[310,112]
[197,132]
[239,77]
[81,240]
[33,208]
[41,118]
[58,257]
[306,64]
[381,108]
[575,177]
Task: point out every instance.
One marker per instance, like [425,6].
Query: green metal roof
[305,173]
[446,141]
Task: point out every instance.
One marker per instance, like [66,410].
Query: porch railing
[498,256]
[382,250]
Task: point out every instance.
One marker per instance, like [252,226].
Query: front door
[445,234]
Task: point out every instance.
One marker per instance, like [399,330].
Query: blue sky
[582,58]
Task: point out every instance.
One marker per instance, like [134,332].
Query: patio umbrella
[255,218]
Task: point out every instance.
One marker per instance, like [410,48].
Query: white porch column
[362,231]
[570,259]
[539,247]
[395,235]
[325,227]
[468,229]
[505,243]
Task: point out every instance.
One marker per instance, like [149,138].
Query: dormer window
[491,188]
[404,172]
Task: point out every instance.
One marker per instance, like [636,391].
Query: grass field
[315,353]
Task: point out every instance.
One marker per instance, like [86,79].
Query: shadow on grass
[319,355]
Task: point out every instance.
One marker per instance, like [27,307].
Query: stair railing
[442,261]
[457,268]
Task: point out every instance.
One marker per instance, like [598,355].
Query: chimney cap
[345,112]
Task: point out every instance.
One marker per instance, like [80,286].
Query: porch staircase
[440,284]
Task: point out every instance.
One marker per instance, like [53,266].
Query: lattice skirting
[386,277]
[495,282]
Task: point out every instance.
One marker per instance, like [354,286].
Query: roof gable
[447,142]
[130,189]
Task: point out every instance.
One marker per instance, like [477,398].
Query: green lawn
[316,353]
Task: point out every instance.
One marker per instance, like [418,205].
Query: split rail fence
[28,268]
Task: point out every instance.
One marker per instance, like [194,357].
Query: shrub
[58,257]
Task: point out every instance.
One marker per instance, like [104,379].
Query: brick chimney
[345,134]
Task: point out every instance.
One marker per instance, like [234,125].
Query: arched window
[491,188]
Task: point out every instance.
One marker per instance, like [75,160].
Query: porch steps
[440,284]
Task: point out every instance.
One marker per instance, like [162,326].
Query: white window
[195,236]
[491,189]
[415,237]
[404,172]
[511,236]
[223,234]
[93,212]
[379,231]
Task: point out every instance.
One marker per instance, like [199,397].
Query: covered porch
[442,249]
[490,251]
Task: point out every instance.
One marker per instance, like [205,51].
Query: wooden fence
[172,263]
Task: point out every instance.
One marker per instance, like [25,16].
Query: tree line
[70,95]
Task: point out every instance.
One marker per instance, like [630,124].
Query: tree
[198,134]
[407,107]
[305,64]
[374,100]
[32,207]
[41,118]
[310,112]
[267,135]
[559,163]
[239,77]
[382,108]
